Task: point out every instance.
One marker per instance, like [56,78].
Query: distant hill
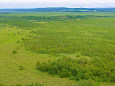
[60,9]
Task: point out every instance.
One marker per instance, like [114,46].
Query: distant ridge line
[59,9]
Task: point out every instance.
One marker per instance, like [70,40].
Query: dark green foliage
[53,69]
[97,68]
[78,56]
[38,64]
[1,85]
[14,52]
[21,67]
[18,41]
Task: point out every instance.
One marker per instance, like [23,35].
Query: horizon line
[63,7]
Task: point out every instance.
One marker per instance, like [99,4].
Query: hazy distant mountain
[60,9]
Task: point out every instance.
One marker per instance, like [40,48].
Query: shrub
[78,56]
[21,67]
[43,67]
[1,85]
[96,69]
[14,52]
[38,65]
[19,85]
[53,69]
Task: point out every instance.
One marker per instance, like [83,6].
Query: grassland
[26,38]
[57,13]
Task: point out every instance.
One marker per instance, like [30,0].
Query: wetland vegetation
[57,49]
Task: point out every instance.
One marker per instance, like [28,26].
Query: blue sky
[56,3]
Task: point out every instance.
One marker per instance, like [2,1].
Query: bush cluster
[101,69]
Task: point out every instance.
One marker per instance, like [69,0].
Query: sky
[57,3]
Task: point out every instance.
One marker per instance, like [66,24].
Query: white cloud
[77,1]
[55,3]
